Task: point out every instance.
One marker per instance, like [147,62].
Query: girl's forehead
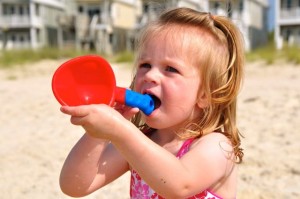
[176,39]
[170,33]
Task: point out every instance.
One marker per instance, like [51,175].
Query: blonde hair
[220,61]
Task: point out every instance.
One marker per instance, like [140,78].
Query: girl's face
[168,71]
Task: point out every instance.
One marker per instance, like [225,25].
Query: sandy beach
[36,137]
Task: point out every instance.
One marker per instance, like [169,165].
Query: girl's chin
[153,120]
[153,114]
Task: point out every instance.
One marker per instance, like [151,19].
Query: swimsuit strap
[185,147]
[140,190]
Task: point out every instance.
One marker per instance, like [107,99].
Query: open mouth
[156,100]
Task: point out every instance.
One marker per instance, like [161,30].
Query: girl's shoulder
[211,158]
[214,146]
[212,139]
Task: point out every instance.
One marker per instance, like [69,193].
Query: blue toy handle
[144,102]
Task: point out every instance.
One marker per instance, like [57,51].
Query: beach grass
[10,58]
[125,56]
[270,55]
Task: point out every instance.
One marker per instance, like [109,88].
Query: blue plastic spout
[142,101]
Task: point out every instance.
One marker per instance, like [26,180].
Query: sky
[271,15]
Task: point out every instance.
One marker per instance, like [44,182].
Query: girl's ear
[202,101]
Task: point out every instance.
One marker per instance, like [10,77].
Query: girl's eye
[145,65]
[172,69]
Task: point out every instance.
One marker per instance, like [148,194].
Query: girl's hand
[100,121]
[126,111]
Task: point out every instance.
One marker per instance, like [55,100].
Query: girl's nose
[152,75]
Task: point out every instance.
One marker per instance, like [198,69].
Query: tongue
[157,101]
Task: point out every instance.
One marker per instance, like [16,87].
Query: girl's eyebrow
[175,62]
[144,57]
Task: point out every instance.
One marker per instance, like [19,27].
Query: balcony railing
[18,21]
[290,13]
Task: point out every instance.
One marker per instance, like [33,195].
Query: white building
[287,22]
[149,10]
[109,26]
[249,15]
[29,23]
[105,25]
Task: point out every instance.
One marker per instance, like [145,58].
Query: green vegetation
[270,54]
[293,54]
[126,56]
[267,53]
[11,58]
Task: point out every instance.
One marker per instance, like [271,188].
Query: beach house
[287,23]
[249,15]
[110,26]
[105,25]
[29,23]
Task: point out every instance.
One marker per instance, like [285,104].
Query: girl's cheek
[136,85]
[137,82]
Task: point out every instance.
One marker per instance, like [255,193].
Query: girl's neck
[167,139]
[164,135]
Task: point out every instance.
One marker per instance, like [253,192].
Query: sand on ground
[36,137]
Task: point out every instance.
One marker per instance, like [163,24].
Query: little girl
[191,63]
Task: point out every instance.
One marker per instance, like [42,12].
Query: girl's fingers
[126,111]
[130,113]
[77,120]
[76,111]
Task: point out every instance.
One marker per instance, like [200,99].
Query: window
[4,9]
[111,37]
[229,10]
[289,4]
[38,35]
[21,10]
[216,5]
[288,34]
[145,8]
[13,37]
[80,9]
[94,11]
[12,10]
[241,5]
[37,9]
[21,38]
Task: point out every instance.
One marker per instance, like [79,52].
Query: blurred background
[64,28]
[36,36]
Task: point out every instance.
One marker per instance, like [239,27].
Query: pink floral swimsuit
[140,190]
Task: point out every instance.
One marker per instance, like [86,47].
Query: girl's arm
[205,166]
[201,168]
[91,164]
